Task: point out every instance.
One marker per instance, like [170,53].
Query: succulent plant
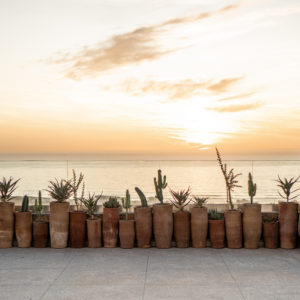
[75,184]
[91,204]
[251,188]
[7,188]
[230,179]
[160,184]
[199,200]
[60,190]
[142,197]
[213,214]
[112,203]
[181,198]
[126,203]
[270,218]
[286,185]
[25,204]
[38,206]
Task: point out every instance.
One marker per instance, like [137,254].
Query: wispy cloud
[128,48]
[224,84]
[239,96]
[236,107]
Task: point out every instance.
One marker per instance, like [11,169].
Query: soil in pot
[271,234]
[111,217]
[217,233]
[127,234]
[23,226]
[163,225]
[77,229]
[233,229]
[182,229]
[143,226]
[94,233]
[252,225]
[288,221]
[59,224]
[199,226]
[6,224]
[40,234]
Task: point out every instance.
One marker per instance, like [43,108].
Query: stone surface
[41,274]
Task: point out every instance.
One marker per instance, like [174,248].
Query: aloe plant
[25,204]
[142,197]
[75,185]
[230,179]
[287,185]
[251,188]
[199,201]
[7,188]
[60,190]
[38,206]
[91,204]
[181,198]
[160,184]
[112,203]
[126,203]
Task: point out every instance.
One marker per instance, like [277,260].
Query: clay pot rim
[77,211]
[126,221]
[290,202]
[235,210]
[182,211]
[142,207]
[252,204]
[7,203]
[59,202]
[216,220]
[273,222]
[114,208]
[39,222]
[95,219]
[197,206]
[163,204]
[23,212]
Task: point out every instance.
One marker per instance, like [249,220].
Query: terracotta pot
[252,225]
[94,233]
[6,224]
[40,234]
[271,234]
[77,229]
[143,226]
[59,224]
[23,229]
[299,226]
[288,223]
[233,228]
[199,226]
[127,234]
[217,233]
[111,217]
[163,225]
[182,230]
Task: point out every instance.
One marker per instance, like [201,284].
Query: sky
[149,78]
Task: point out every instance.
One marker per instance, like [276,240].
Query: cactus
[38,206]
[25,204]
[215,215]
[142,197]
[112,203]
[126,203]
[160,184]
[251,188]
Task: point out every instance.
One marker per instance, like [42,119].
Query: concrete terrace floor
[149,274]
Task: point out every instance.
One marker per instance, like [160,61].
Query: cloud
[236,107]
[224,84]
[126,49]
[239,96]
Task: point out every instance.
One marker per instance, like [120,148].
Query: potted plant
[60,191]
[93,223]
[111,217]
[162,215]
[77,217]
[199,222]
[23,225]
[127,234]
[270,232]
[216,229]
[252,221]
[143,221]
[288,213]
[233,217]
[181,218]
[40,227]
[7,188]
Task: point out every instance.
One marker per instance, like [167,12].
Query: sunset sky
[150,78]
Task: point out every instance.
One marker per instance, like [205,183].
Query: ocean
[115,176]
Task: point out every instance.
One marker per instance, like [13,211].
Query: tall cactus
[38,206]
[251,188]
[142,197]
[160,184]
[126,203]
[25,204]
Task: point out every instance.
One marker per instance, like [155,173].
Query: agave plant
[91,204]
[181,198]
[199,200]
[75,184]
[230,179]
[112,203]
[286,185]
[7,188]
[60,190]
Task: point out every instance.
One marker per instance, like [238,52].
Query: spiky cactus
[251,188]
[160,184]
[112,203]
[38,206]
[25,204]
[126,203]
[142,197]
